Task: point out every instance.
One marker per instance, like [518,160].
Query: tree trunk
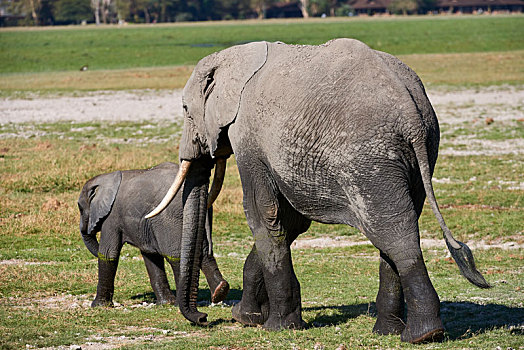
[147,18]
[104,16]
[303,8]
[95,4]
[105,10]
[33,12]
[163,10]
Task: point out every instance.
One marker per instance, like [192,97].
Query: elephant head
[95,203]
[212,97]
[211,101]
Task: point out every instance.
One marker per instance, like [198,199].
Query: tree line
[53,12]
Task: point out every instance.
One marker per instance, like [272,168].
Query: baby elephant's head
[95,203]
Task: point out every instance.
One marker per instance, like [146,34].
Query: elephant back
[148,186]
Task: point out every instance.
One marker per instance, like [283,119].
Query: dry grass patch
[231,196]
[121,79]
[482,68]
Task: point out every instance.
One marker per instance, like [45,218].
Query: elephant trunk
[193,228]
[91,243]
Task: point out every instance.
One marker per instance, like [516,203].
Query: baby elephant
[115,204]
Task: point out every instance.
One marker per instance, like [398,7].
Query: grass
[334,317]
[157,46]
[48,278]
[473,50]
[52,277]
[498,131]
[467,69]
[119,79]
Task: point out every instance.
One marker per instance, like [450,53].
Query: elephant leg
[398,238]
[423,304]
[106,282]
[274,225]
[217,284]
[108,254]
[253,309]
[390,299]
[282,286]
[157,277]
[175,266]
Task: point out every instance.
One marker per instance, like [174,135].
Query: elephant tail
[91,243]
[459,251]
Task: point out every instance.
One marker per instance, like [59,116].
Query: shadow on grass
[148,297]
[462,320]
[203,295]
[465,319]
[334,315]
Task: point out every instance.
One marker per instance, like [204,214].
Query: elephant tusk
[218,180]
[171,193]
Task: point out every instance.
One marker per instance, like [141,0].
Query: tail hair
[464,259]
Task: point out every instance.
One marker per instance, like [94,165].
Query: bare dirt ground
[500,103]
[342,241]
[137,105]
[455,108]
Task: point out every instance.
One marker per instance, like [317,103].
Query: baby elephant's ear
[101,198]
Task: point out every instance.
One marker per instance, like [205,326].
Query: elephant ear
[101,196]
[214,91]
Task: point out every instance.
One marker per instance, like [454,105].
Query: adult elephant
[336,133]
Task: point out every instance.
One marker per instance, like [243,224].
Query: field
[465,50]
[60,126]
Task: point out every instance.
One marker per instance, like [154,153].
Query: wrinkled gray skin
[114,204]
[336,133]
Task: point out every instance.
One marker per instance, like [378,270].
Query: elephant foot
[102,303]
[167,300]
[247,317]
[220,292]
[389,325]
[433,336]
[291,321]
[422,331]
[276,325]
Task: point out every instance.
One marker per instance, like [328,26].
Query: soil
[489,105]
[498,103]
[137,105]
[425,243]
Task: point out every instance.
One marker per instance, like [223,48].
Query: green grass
[44,304]
[67,49]
[48,278]
[506,130]
[451,51]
